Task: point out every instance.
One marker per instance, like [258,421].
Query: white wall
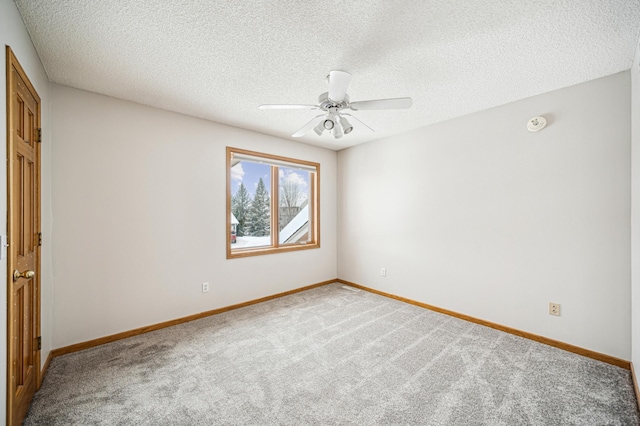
[635,211]
[139,213]
[14,34]
[479,216]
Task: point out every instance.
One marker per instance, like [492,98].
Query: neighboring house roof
[297,227]
[234,221]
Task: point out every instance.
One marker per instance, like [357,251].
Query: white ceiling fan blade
[310,125]
[395,103]
[285,106]
[338,85]
[358,121]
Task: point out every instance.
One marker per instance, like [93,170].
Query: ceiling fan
[333,103]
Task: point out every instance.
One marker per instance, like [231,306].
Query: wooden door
[23,172]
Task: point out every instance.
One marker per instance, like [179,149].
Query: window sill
[259,251]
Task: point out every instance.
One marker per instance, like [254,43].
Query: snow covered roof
[298,222]
[234,221]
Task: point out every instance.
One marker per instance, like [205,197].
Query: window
[272,204]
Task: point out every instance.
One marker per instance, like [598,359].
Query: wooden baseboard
[119,336]
[45,367]
[541,339]
[635,385]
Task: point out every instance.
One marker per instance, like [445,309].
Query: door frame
[12,62]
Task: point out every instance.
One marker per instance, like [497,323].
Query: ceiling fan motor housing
[327,104]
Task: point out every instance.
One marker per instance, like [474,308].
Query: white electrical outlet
[205,287]
[554,309]
[383,272]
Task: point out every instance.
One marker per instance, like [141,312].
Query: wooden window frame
[314,201]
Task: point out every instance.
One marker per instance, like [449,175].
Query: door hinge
[39,343]
[39,239]
[39,135]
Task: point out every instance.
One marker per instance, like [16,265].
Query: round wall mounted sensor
[536,124]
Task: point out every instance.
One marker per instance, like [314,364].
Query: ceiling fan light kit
[333,103]
[337,132]
[329,123]
[346,126]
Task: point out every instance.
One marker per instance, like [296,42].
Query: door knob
[26,274]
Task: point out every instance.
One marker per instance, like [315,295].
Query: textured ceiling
[219,60]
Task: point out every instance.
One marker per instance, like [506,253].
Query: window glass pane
[294,205]
[250,204]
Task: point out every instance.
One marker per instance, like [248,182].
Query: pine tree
[240,205]
[260,212]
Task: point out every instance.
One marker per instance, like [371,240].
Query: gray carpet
[331,356]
